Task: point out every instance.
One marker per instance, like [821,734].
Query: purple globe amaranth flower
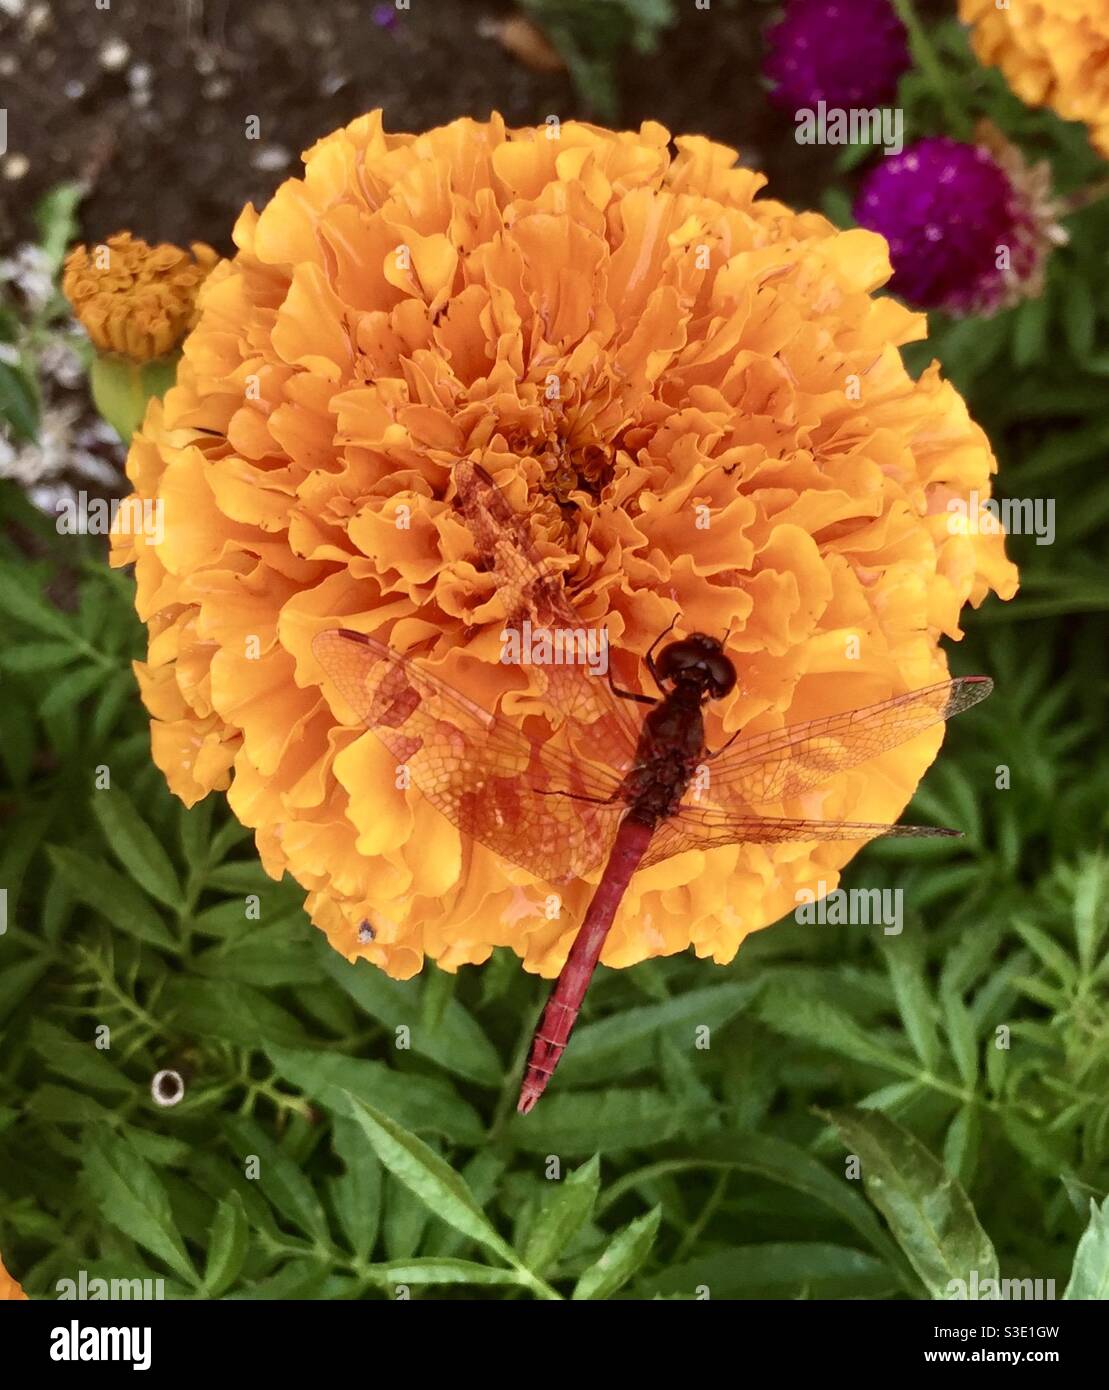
[969,226]
[842,52]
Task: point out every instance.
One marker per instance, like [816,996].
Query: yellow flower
[408,303]
[9,1289]
[1053,53]
[134,299]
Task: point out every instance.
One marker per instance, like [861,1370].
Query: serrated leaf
[1048,950]
[793,1167]
[959,1024]
[38,656]
[815,1020]
[454,1040]
[80,1061]
[406,1222]
[357,1193]
[624,1044]
[587,1122]
[56,220]
[280,1178]
[230,1011]
[22,601]
[429,1177]
[16,982]
[913,1002]
[136,846]
[422,1103]
[624,1255]
[960,1145]
[227,1246]
[566,1207]
[131,1197]
[928,1212]
[118,901]
[18,402]
[775,1270]
[1090,1273]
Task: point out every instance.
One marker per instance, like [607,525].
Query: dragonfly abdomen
[562,1008]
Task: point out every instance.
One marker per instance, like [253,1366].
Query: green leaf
[80,1061]
[429,1177]
[587,1122]
[357,1194]
[816,1021]
[1090,1274]
[785,1163]
[928,1212]
[423,1103]
[232,1012]
[227,1246]
[625,1253]
[959,1023]
[1048,950]
[455,1041]
[21,600]
[66,693]
[567,1206]
[16,982]
[19,405]
[56,220]
[131,1197]
[30,657]
[961,1143]
[913,1003]
[624,1044]
[775,1270]
[118,901]
[264,957]
[136,846]
[280,1178]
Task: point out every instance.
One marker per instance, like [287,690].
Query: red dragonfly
[611,789]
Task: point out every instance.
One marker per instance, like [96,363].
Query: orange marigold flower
[9,1289]
[1053,53]
[409,302]
[135,299]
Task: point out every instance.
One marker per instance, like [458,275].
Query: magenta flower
[843,52]
[968,226]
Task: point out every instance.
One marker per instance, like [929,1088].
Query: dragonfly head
[698,661]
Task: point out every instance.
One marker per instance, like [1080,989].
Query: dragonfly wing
[532,591]
[524,801]
[706,827]
[776,766]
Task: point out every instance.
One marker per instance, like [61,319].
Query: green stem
[928,60]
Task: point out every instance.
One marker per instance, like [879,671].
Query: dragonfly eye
[722,675]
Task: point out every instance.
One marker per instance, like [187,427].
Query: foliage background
[681,1170]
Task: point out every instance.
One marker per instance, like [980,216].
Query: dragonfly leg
[723,747]
[580,796]
[650,657]
[628,694]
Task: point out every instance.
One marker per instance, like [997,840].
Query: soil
[148,102]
